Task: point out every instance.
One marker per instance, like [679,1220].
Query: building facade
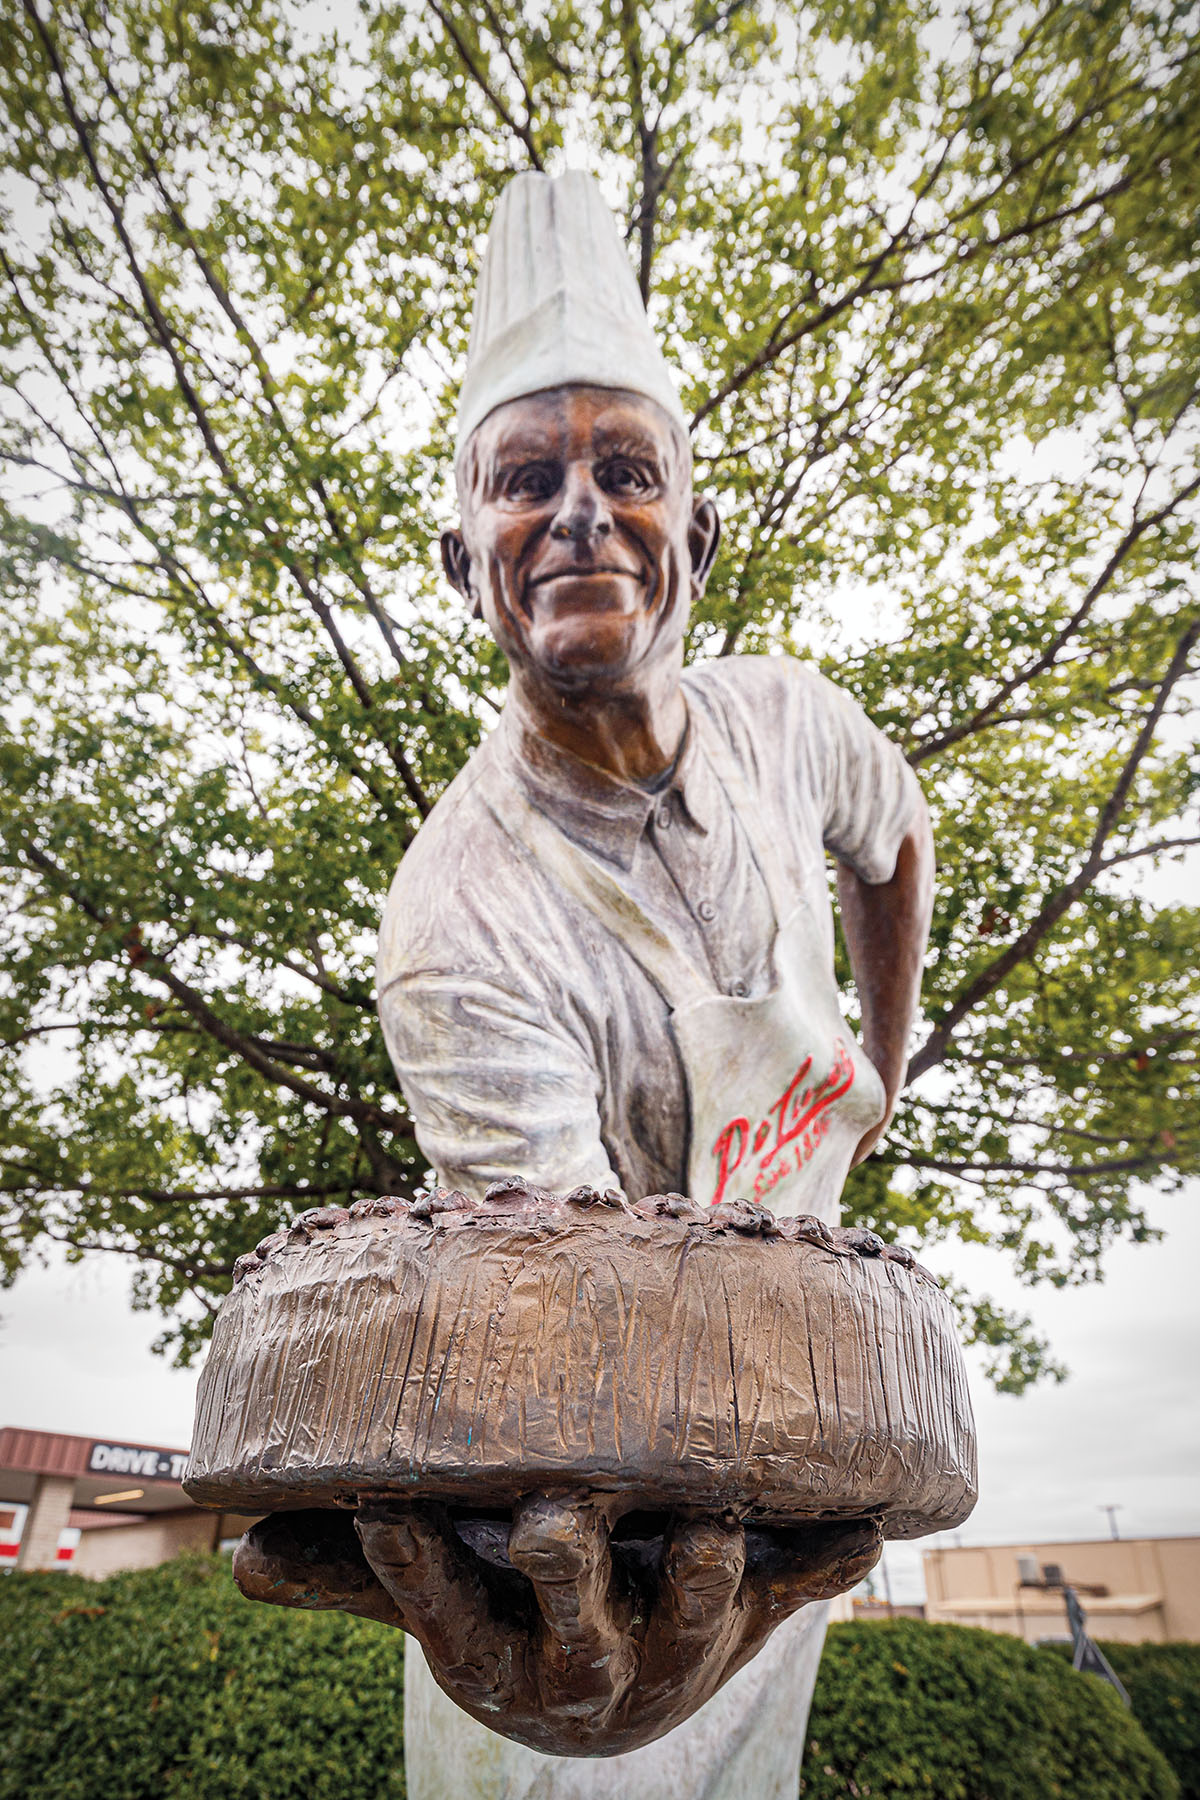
[1149,1588]
[96,1505]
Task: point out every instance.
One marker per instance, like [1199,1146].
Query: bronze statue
[606,968]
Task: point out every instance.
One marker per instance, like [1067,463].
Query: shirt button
[739,990]
[707,911]
[664,818]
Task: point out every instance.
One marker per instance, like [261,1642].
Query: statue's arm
[589,1656]
[496,1086]
[875,823]
[886,927]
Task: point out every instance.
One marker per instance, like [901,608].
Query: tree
[911,267]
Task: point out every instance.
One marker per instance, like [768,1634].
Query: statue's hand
[587,1656]
[312,1560]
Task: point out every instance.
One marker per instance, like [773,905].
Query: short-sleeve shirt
[527,1038]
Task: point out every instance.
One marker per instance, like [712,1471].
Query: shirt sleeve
[870,794]
[492,1089]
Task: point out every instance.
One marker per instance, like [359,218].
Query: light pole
[1088,1657]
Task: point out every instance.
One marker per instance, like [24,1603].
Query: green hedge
[165,1684]
[1163,1681]
[903,1708]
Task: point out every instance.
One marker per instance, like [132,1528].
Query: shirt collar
[596,809]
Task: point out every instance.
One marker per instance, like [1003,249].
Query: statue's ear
[704,534]
[456,560]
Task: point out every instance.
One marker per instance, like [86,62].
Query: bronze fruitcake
[473,1353]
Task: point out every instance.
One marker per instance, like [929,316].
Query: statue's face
[580,543]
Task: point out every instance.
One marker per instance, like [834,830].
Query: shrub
[905,1708]
[165,1684]
[1163,1681]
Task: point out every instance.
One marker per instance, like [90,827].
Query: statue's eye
[622,477]
[532,481]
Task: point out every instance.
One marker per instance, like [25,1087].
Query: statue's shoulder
[757,693]
[460,811]
[443,875]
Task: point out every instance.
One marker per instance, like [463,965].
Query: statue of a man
[608,959]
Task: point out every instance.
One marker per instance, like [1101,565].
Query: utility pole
[1112,1512]
[887,1583]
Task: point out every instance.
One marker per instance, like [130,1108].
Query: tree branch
[868,283]
[988,979]
[149,299]
[364,1113]
[478,76]
[187,1196]
[145,1253]
[1045,659]
[1077,1173]
[1159,848]
[168,340]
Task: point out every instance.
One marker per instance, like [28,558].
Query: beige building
[1148,1589]
[96,1505]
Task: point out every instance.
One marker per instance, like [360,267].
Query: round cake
[677,1357]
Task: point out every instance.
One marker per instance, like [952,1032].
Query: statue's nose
[584,511]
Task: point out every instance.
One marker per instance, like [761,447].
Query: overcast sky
[1123,1430]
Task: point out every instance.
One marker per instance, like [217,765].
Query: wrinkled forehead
[561,424]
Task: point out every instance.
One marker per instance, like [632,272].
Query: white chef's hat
[557,303]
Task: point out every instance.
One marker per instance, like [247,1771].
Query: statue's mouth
[587,572]
[597,588]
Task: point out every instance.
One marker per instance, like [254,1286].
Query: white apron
[779,1093]
[779,1097]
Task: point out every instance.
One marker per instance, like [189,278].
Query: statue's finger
[438,1587]
[563,1549]
[695,1620]
[702,1566]
[790,1568]
[311,1560]
[586,1659]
